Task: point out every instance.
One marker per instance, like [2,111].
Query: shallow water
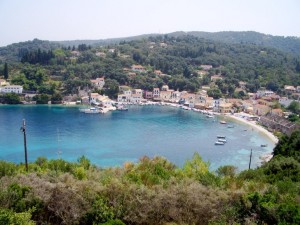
[116,137]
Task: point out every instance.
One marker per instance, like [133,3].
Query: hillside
[286,44]
[14,52]
[179,57]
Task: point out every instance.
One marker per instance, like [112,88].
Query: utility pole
[23,129]
[250,159]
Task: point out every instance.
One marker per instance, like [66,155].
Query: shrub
[7,168]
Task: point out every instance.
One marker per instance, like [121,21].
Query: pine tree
[5,71]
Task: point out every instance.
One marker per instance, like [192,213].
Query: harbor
[115,137]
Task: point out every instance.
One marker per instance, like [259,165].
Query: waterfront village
[264,105]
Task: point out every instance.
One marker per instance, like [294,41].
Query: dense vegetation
[286,44]
[153,191]
[48,69]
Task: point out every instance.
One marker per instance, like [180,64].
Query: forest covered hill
[47,67]
[286,44]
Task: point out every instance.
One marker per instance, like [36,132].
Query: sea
[117,137]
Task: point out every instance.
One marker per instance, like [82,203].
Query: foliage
[294,118]
[153,191]
[111,88]
[41,57]
[41,99]
[7,168]
[228,171]
[5,71]
[294,107]
[289,146]
[215,93]
[10,98]
[180,60]
[8,217]
[56,98]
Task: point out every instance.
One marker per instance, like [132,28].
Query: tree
[294,107]
[11,98]
[5,71]
[42,99]
[111,88]
[215,93]
[56,98]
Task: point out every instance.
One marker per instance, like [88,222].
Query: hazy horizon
[66,20]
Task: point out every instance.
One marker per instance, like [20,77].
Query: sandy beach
[253,124]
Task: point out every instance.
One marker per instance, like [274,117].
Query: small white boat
[90,110]
[122,108]
[222,140]
[210,116]
[219,143]
[230,126]
[221,136]
[223,122]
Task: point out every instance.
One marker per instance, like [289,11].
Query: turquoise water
[116,137]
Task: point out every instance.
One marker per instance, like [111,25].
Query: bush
[8,217]
[7,168]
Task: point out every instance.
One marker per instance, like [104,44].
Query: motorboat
[221,136]
[223,122]
[222,140]
[230,126]
[263,145]
[122,108]
[219,143]
[90,110]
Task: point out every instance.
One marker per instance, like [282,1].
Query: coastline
[268,156]
[253,124]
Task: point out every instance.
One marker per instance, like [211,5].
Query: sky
[57,20]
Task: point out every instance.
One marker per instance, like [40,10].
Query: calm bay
[119,136]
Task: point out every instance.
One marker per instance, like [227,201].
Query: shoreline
[267,156]
[253,124]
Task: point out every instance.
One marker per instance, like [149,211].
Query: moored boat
[223,122]
[90,110]
[219,143]
[221,136]
[222,140]
[122,108]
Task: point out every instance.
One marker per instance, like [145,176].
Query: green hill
[286,44]
[177,55]
[14,52]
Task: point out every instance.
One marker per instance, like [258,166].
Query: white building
[98,82]
[136,98]
[124,98]
[285,101]
[217,102]
[18,89]
[262,93]
[138,92]
[156,92]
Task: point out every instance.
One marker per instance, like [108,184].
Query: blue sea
[120,136]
